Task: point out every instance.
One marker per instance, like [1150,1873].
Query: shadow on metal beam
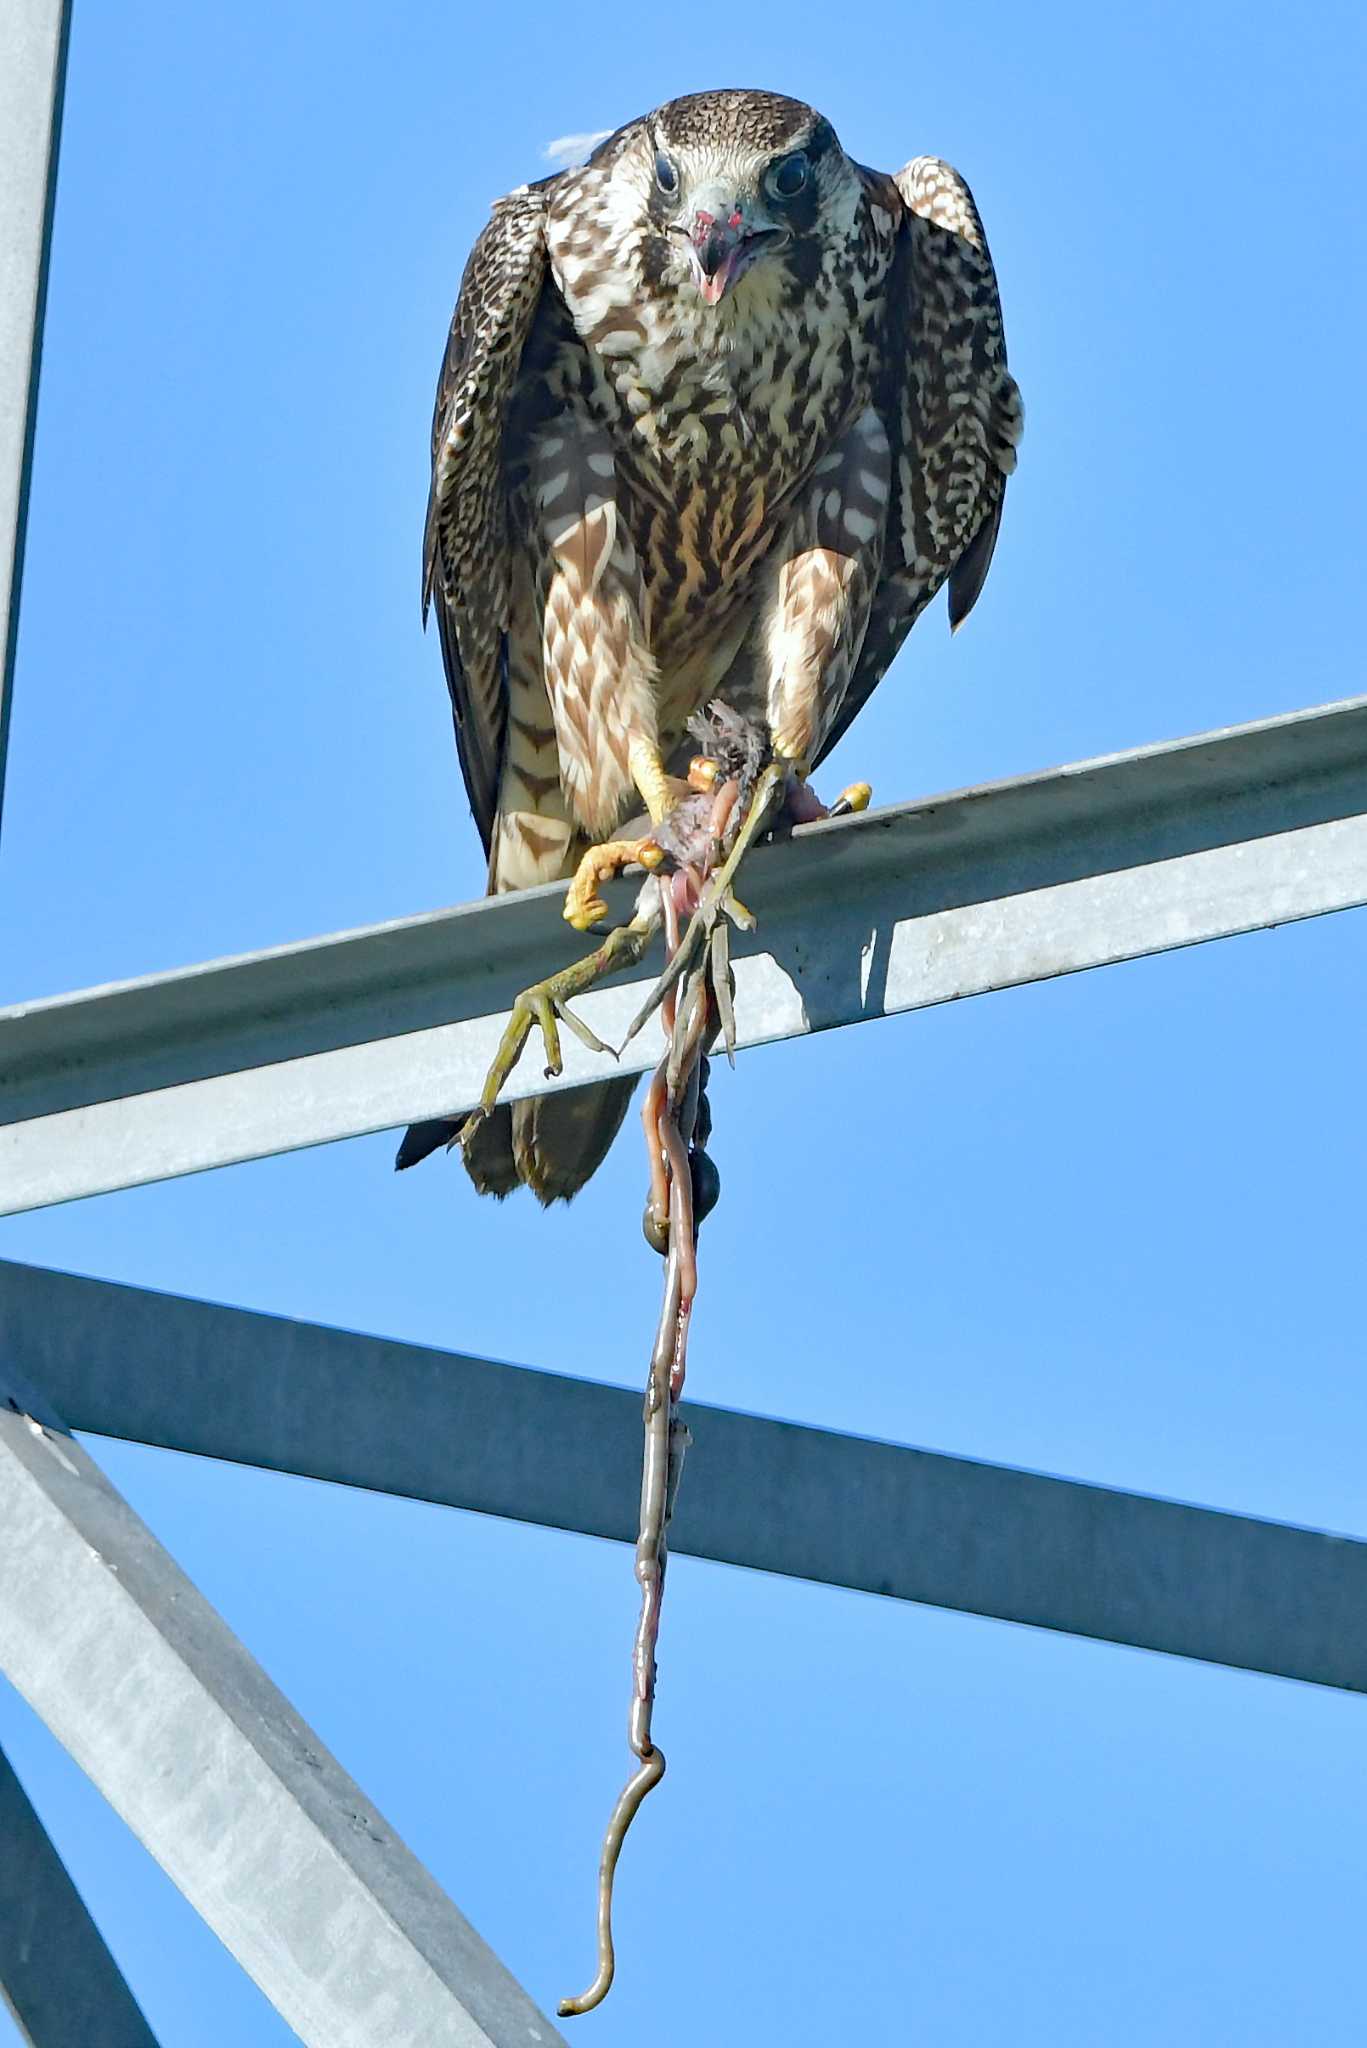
[537,1447]
[57,1976]
[859,918]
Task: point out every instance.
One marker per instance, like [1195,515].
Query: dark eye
[666,176]
[787,177]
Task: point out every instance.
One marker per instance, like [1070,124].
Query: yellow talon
[857,797]
[703,772]
[583,905]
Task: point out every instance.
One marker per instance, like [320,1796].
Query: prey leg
[545,1006]
[778,787]
[770,787]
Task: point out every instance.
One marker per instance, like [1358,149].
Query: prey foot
[545,1007]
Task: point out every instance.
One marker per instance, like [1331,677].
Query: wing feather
[951,409]
[466,571]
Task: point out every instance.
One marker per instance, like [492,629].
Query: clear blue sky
[1110,1227]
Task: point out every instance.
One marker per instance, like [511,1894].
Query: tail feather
[420,1140]
[559,1141]
[552,1144]
[488,1158]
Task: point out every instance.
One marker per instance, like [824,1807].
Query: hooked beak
[723,245]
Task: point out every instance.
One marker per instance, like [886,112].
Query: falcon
[720,412]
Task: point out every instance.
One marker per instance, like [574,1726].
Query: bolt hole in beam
[984,889]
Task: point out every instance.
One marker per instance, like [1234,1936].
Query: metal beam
[33,45]
[271,1842]
[56,1975]
[503,1440]
[1013,882]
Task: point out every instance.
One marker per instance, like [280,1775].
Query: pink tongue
[714,286]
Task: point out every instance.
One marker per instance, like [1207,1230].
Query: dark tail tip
[420,1140]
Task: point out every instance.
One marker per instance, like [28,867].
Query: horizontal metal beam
[806,1503]
[33,45]
[1010,883]
[56,1974]
[269,1839]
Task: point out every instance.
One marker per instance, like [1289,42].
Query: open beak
[717,247]
[723,244]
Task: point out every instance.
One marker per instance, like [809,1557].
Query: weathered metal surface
[909,1524]
[56,1975]
[271,1842]
[33,40]
[862,918]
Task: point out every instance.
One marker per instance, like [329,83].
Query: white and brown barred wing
[952,412]
[467,566]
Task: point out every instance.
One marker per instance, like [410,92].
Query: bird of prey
[720,411]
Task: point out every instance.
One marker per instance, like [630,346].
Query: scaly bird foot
[583,905]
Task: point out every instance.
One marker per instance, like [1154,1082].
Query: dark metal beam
[808,1503]
[272,1843]
[58,1978]
[1014,882]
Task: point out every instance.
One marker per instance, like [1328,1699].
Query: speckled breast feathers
[720,412]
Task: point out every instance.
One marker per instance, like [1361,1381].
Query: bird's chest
[716,423]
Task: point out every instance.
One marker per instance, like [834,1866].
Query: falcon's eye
[666,175]
[786,178]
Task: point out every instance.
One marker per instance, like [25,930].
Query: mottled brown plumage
[720,412]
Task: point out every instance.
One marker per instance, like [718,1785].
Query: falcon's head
[722,183]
